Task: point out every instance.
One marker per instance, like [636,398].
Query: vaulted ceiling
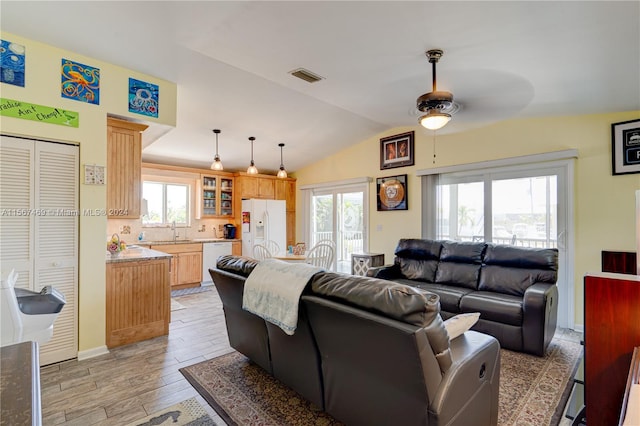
[231,62]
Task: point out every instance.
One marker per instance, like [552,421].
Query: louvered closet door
[56,248]
[39,228]
[16,202]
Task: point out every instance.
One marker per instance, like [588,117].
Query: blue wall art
[143,97]
[12,63]
[80,82]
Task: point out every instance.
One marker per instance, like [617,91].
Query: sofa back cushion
[460,264]
[398,301]
[418,259]
[239,265]
[511,270]
[401,302]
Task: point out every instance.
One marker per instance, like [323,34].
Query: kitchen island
[138,295]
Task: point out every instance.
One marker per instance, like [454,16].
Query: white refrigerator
[263,220]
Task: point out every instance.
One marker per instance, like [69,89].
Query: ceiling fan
[438,105]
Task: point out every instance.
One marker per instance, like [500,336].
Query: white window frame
[164,180]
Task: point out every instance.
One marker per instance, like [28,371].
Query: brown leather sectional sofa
[513,288]
[368,351]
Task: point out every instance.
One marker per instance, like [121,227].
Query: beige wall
[42,86]
[604,204]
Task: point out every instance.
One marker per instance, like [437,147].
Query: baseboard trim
[579,328]
[92,353]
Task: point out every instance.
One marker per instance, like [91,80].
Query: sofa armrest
[540,314]
[386,272]
[470,388]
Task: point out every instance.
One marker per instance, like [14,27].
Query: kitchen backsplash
[129,230]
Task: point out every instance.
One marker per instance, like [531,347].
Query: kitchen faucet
[173,228]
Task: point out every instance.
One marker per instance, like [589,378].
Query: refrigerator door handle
[266,225]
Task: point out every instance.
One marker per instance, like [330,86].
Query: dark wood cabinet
[611,331]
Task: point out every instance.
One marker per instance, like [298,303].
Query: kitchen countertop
[135,253]
[181,241]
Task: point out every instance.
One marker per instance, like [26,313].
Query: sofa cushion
[492,306]
[400,302]
[521,257]
[460,264]
[450,296]
[239,265]
[511,270]
[418,259]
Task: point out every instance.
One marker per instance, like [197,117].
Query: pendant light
[252,170]
[435,103]
[217,164]
[282,173]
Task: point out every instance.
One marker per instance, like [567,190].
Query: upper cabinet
[124,151]
[251,186]
[217,196]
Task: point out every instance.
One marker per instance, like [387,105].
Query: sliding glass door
[520,206]
[338,214]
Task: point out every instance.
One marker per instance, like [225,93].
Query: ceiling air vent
[306,75]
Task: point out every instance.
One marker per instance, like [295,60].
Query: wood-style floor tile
[131,382]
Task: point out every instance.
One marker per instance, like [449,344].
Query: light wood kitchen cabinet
[286,190]
[251,186]
[236,248]
[186,264]
[124,153]
[138,301]
[216,196]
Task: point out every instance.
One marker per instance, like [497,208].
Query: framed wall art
[392,193]
[625,147]
[397,151]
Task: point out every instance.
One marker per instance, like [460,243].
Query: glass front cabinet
[217,196]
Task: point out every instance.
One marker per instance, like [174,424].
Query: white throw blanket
[272,291]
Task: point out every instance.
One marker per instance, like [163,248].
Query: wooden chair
[261,252]
[321,255]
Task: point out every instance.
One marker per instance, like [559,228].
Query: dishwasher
[210,253]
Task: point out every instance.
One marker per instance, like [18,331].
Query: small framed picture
[625,147]
[397,151]
[392,193]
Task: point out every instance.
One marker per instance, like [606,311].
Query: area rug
[185,413]
[191,290]
[533,390]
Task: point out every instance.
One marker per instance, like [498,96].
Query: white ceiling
[231,60]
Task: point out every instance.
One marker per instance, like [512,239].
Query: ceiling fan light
[434,120]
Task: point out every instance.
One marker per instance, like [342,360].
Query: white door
[40,238]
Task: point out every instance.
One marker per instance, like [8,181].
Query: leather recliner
[377,351]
